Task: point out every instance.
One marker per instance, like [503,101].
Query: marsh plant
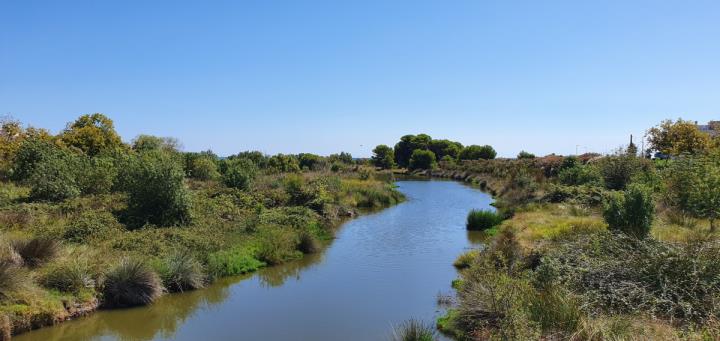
[483,219]
[414,330]
[131,283]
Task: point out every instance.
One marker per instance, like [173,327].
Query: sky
[330,76]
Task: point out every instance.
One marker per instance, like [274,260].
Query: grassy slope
[232,232]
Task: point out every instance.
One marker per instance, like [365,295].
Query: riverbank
[554,269]
[279,219]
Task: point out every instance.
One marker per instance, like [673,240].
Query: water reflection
[277,275]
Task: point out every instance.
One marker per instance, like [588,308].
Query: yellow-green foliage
[551,223]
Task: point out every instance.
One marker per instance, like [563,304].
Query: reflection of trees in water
[143,323]
[276,275]
[477,237]
[164,317]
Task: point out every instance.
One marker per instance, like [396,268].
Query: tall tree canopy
[678,137]
[92,134]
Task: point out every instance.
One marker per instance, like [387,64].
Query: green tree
[343,157]
[239,173]
[692,185]
[144,143]
[422,159]
[156,192]
[309,161]
[631,212]
[202,167]
[475,152]
[442,148]
[618,170]
[383,157]
[55,178]
[407,145]
[92,134]
[525,155]
[678,137]
[282,163]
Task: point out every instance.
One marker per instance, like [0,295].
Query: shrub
[631,212]
[55,178]
[91,225]
[233,262]
[239,173]
[156,193]
[483,219]
[131,283]
[29,155]
[12,278]
[203,168]
[422,159]
[414,330]
[181,272]
[277,245]
[72,276]
[579,175]
[525,155]
[36,251]
[465,260]
[98,175]
[308,243]
[618,170]
[282,163]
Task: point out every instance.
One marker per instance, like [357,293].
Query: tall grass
[236,261]
[414,330]
[131,283]
[72,276]
[36,251]
[12,279]
[483,219]
[181,272]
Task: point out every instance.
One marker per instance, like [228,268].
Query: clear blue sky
[321,76]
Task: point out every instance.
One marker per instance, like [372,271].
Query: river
[382,269]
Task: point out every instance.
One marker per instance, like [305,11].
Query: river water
[382,269]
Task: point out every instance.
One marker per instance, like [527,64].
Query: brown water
[382,269]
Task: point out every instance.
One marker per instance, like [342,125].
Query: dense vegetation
[421,152]
[616,247]
[87,220]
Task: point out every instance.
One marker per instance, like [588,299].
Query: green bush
[203,168]
[181,272]
[55,178]
[239,173]
[91,225]
[631,212]
[483,219]
[422,159]
[525,155]
[617,171]
[308,243]
[277,245]
[579,175]
[131,283]
[97,176]
[466,259]
[282,163]
[233,262]
[156,192]
[414,330]
[29,155]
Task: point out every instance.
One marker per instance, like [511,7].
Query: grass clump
[131,283]
[483,219]
[36,251]
[277,245]
[71,276]
[12,279]
[414,330]
[465,260]
[181,272]
[236,261]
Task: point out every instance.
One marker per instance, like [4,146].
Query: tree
[92,134]
[239,173]
[692,185]
[343,157]
[202,167]
[618,170]
[407,145]
[156,192]
[525,155]
[383,157]
[12,136]
[282,163]
[422,159]
[143,143]
[309,161]
[475,152]
[631,212]
[442,148]
[55,177]
[678,137]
